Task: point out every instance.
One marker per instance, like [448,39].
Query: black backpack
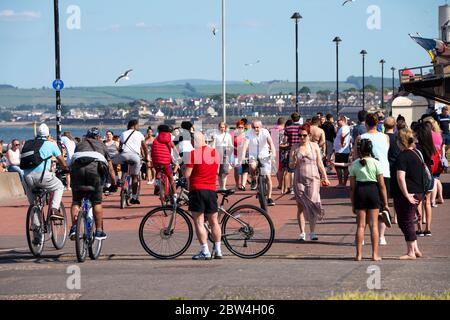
[30,156]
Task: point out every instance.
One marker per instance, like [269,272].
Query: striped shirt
[292,134]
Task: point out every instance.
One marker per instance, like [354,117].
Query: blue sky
[172,39]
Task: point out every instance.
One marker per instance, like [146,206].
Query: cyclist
[41,175]
[260,146]
[132,142]
[162,153]
[90,166]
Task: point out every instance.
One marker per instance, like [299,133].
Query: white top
[223,140]
[134,143]
[258,145]
[185,146]
[70,147]
[380,149]
[338,147]
[14,157]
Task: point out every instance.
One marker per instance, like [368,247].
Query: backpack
[437,168]
[427,178]
[30,156]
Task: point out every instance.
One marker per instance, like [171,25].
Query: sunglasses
[17,145]
[303,135]
[240,127]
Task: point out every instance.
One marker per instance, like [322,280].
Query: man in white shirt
[260,146]
[342,150]
[132,142]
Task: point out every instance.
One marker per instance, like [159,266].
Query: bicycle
[127,184]
[247,231]
[162,182]
[85,241]
[261,192]
[38,225]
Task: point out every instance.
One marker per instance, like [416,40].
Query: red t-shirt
[205,163]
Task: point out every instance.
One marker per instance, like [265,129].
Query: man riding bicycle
[41,175]
[90,166]
[132,142]
[260,145]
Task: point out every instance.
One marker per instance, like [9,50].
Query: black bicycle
[38,224]
[247,231]
[261,192]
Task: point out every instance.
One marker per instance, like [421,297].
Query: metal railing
[424,73]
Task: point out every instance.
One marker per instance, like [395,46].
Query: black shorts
[367,196]
[87,176]
[203,201]
[341,158]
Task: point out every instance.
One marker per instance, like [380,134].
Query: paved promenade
[290,270]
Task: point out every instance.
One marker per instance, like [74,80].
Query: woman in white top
[13,158]
[224,144]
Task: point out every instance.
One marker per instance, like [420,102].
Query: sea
[26,133]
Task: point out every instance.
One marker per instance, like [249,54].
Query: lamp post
[58,71]
[296,16]
[224,88]
[337,40]
[382,62]
[393,88]
[363,54]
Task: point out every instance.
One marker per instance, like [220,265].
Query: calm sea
[25,133]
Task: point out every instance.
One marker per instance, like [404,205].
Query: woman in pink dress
[306,159]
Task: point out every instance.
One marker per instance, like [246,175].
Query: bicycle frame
[85,206]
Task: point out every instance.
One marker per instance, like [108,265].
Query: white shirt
[258,145]
[14,156]
[338,147]
[70,147]
[223,140]
[134,143]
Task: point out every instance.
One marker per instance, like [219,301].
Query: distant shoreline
[28,124]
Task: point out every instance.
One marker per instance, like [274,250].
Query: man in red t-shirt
[201,172]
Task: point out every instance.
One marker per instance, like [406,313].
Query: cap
[93,133]
[43,130]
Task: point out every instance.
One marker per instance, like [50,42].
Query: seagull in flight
[347,1]
[124,75]
[252,64]
[214,30]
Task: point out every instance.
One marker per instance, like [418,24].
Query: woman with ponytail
[367,184]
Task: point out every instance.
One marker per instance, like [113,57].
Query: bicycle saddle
[226,192]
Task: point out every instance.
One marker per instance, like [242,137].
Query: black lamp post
[393,88]
[296,16]
[363,54]
[58,72]
[337,40]
[382,62]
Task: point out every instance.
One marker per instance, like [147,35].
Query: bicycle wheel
[262,198]
[59,229]
[95,246]
[163,191]
[250,233]
[158,241]
[35,230]
[81,240]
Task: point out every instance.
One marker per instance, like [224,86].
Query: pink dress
[307,185]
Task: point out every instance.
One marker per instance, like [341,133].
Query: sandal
[242,188]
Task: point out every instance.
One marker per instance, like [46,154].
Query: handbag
[122,144]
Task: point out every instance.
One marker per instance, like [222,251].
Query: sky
[164,40]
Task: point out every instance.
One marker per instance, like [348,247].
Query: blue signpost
[58,85]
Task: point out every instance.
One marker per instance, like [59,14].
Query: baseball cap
[43,130]
[93,133]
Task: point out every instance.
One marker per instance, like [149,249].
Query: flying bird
[124,75]
[347,1]
[252,64]
[214,30]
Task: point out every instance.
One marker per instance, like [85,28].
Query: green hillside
[12,97]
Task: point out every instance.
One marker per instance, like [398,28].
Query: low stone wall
[10,187]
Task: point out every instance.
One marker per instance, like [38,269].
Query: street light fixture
[382,62]
[337,40]
[363,54]
[296,16]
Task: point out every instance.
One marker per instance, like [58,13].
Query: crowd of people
[383,158]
